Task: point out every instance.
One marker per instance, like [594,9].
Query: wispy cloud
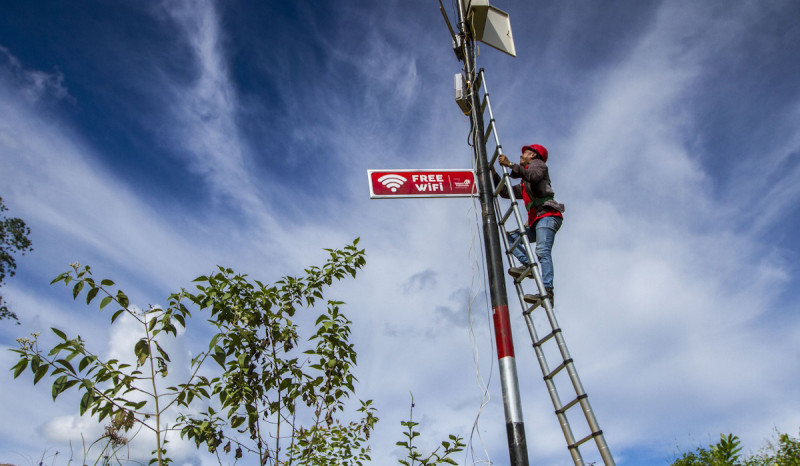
[33,85]
[204,110]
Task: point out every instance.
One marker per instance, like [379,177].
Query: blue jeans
[543,234]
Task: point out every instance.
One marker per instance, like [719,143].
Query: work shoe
[517,272]
[537,299]
[532,299]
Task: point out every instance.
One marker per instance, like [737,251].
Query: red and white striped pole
[515,428]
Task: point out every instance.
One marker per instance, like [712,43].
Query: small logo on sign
[392,181]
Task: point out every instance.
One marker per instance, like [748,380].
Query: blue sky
[154,140]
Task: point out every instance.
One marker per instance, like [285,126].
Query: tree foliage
[413,455]
[727,452]
[13,240]
[274,395]
[260,388]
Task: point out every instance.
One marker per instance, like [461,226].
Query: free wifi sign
[384,184]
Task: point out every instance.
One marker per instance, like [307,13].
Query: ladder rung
[558,369]
[531,309]
[527,271]
[497,151]
[513,245]
[585,439]
[508,213]
[500,185]
[489,129]
[546,337]
[571,404]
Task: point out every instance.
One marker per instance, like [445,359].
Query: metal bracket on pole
[457,46]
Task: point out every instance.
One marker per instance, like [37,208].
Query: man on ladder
[544,213]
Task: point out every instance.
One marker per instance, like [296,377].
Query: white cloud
[33,85]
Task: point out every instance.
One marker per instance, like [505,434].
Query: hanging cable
[477,263]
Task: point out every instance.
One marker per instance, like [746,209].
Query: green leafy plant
[785,453]
[723,453]
[126,394]
[414,457]
[728,452]
[264,389]
[277,397]
[265,375]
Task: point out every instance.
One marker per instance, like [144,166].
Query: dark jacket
[536,180]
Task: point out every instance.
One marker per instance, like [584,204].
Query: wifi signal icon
[392,181]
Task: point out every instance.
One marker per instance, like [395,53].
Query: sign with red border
[388,184]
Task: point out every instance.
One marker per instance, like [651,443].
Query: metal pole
[515,428]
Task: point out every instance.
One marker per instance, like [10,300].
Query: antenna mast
[515,427]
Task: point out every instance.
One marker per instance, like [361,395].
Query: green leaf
[91,294]
[219,356]
[104,302]
[59,333]
[122,299]
[40,372]
[66,364]
[77,289]
[162,352]
[141,350]
[139,405]
[85,361]
[214,341]
[19,367]
[107,282]
[86,401]
[116,314]
[59,278]
[59,386]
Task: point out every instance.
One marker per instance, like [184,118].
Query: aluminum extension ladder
[553,334]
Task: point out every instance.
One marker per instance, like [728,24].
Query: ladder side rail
[580,392]
[492,127]
[588,412]
[488,105]
[599,436]
[566,429]
[582,396]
